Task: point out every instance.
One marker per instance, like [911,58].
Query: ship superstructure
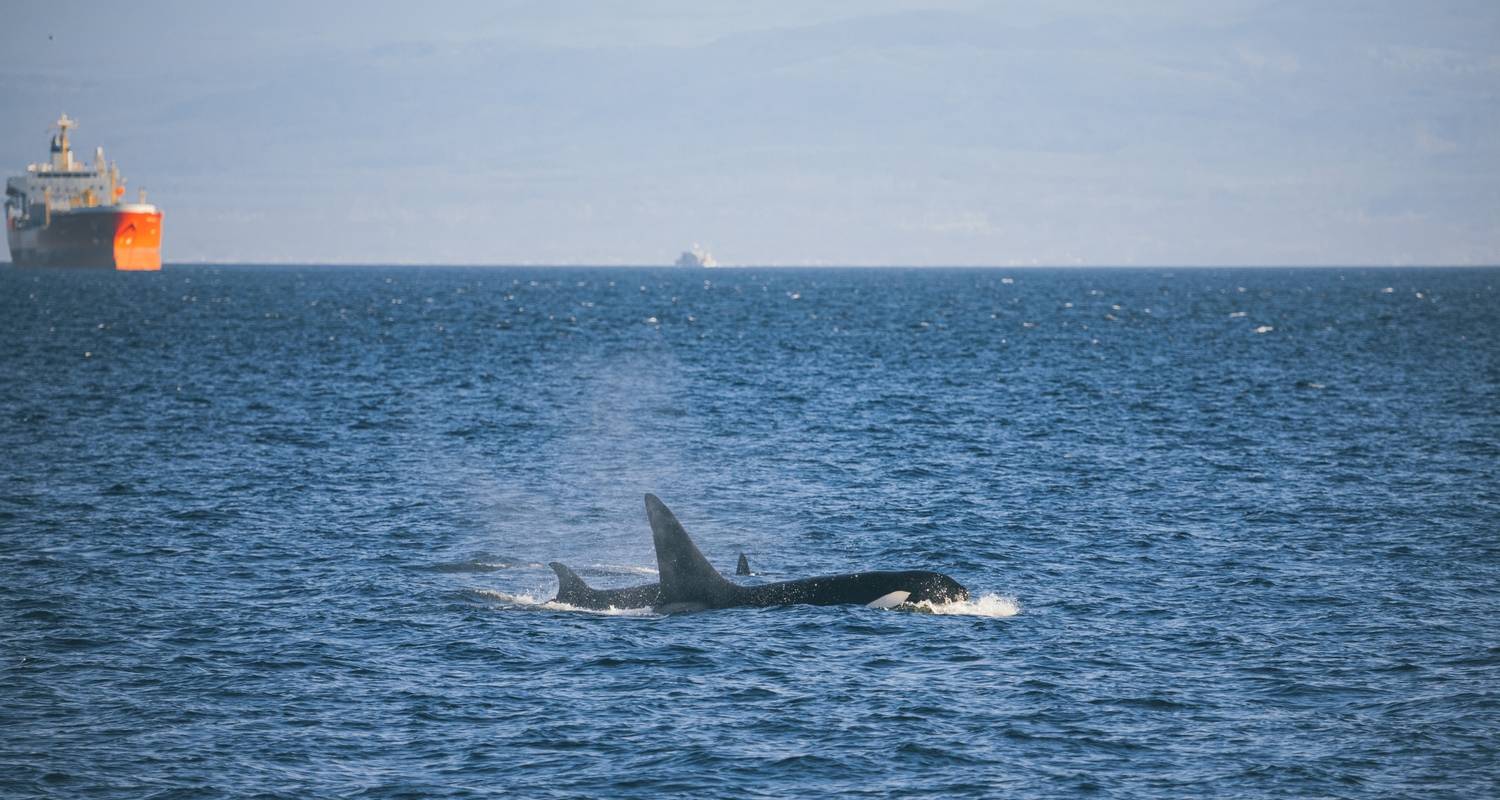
[70,214]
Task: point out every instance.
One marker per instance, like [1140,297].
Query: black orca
[690,583]
[573,591]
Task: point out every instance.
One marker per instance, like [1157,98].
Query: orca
[690,583]
[574,591]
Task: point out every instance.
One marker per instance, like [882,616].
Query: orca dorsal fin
[687,579]
[743,567]
[570,588]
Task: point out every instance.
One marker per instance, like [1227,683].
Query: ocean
[283,532]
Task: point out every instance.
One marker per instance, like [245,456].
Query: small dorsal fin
[687,579]
[570,588]
[743,567]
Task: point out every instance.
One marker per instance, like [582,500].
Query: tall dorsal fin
[570,587]
[743,567]
[686,576]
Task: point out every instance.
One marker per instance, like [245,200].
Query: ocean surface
[282,532]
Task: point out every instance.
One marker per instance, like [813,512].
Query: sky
[879,132]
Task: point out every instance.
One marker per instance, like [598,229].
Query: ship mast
[62,153]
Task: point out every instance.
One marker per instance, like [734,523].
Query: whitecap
[1236,314]
[1264,329]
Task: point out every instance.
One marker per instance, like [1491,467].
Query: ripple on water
[288,538]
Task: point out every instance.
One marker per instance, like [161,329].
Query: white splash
[986,605]
[504,597]
[603,612]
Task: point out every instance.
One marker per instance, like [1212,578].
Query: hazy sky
[871,132]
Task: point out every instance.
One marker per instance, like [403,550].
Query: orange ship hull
[122,238]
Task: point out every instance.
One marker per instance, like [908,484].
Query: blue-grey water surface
[281,532]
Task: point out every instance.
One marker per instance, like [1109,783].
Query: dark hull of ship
[100,238]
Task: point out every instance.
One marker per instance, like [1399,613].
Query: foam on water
[985,605]
[520,599]
[603,612]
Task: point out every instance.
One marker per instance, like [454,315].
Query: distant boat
[696,257]
[67,213]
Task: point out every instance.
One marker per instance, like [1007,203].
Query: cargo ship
[65,213]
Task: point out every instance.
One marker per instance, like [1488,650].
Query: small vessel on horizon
[696,257]
[66,213]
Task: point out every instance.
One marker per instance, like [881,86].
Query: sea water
[282,532]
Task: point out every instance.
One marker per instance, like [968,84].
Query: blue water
[281,532]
